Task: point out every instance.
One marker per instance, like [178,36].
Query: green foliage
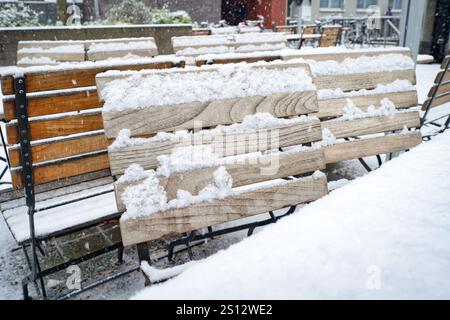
[129,11]
[135,11]
[18,15]
[165,16]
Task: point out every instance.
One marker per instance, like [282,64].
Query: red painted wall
[273,11]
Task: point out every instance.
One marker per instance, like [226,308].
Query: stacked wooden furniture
[309,35]
[330,35]
[219,112]
[63,145]
[285,29]
[198,45]
[54,52]
[369,135]
[437,115]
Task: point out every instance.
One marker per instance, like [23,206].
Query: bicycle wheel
[350,39]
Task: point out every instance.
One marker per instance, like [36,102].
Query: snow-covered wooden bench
[49,52]
[118,48]
[153,205]
[249,42]
[32,53]
[57,149]
[436,118]
[252,102]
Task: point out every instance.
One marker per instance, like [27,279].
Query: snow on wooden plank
[340,54]
[54,186]
[53,102]
[47,44]
[372,125]
[55,56]
[208,114]
[64,147]
[371,146]
[116,48]
[357,81]
[63,169]
[146,152]
[243,172]
[335,107]
[196,216]
[79,75]
[57,126]
[103,80]
[57,220]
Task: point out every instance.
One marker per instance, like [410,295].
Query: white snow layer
[382,236]
[150,197]
[70,48]
[380,63]
[260,120]
[225,82]
[122,46]
[396,86]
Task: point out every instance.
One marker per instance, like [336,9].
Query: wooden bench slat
[371,147]
[63,169]
[445,62]
[244,173]
[224,145]
[334,107]
[358,81]
[220,112]
[176,221]
[54,103]
[437,101]
[60,149]
[439,90]
[72,78]
[56,127]
[444,75]
[372,125]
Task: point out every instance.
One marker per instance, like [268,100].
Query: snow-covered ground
[11,263]
[380,236]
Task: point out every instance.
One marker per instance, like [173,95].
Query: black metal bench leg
[144,255]
[120,255]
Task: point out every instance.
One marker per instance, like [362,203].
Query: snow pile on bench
[121,46]
[364,64]
[384,235]
[70,48]
[149,197]
[109,63]
[396,86]
[37,61]
[224,82]
[260,120]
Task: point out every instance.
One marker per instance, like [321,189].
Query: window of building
[395,4]
[331,4]
[364,4]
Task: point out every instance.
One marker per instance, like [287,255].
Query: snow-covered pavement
[385,235]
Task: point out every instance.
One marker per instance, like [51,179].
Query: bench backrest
[53,52]
[65,123]
[249,42]
[330,35]
[174,220]
[440,92]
